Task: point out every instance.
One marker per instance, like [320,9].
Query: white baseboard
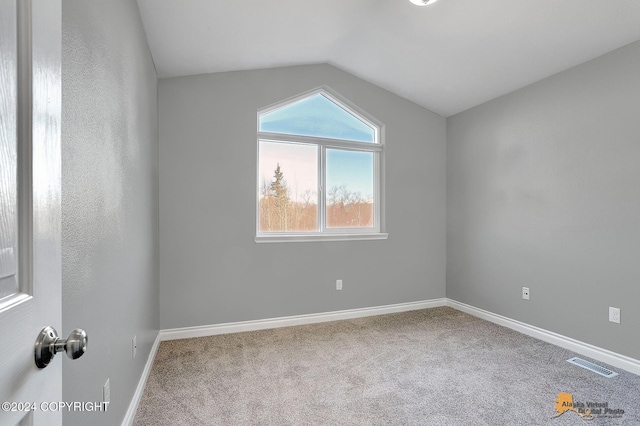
[614,359]
[236,327]
[133,405]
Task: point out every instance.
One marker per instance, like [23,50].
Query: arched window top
[319,174]
[318,115]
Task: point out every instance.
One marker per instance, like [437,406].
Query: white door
[30,263]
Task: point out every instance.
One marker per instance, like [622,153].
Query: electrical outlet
[134,347]
[614,314]
[338,284]
[106,392]
[525,293]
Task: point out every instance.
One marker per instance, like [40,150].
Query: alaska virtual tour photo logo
[586,410]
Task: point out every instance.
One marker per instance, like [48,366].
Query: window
[319,171]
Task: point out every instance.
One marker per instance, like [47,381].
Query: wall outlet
[525,293]
[614,314]
[134,347]
[106,392]
[338,284]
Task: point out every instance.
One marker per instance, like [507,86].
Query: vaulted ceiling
[447,57]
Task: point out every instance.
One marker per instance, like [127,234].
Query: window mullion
[377,212]
[322,198]
[311,140]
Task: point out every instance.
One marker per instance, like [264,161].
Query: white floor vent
[593,367]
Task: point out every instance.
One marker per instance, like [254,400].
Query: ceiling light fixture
[423,2]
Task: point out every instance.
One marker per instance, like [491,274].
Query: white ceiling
[447,57]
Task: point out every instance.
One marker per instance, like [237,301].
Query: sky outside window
[317,116]
[298,163]
[351,169]
[292,187]
[350,186]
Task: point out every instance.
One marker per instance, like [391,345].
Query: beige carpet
[429,367]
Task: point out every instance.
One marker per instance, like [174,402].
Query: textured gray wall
[544,192]
[212,271]
[109,201]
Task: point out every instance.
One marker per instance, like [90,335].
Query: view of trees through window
[280,212]
[314,153]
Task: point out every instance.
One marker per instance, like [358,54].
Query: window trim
[377,232]
[309,238]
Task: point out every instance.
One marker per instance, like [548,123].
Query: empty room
[349,212]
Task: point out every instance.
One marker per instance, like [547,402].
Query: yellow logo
[564,403]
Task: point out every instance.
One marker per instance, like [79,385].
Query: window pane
[317,116]
[8,151]
[287,188]
[350,189]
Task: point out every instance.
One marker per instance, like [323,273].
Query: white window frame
[377,232]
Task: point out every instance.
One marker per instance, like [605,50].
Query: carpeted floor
[428,367]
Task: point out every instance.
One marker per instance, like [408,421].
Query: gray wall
[212,271]
[544,192]
[109,201]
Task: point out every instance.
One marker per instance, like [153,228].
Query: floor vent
[593,367]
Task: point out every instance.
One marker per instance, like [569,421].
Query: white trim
[318,141]
[614,359]
[237,327]
[135,400]
[376,148]
[322,189]
[617,360]
[282,238]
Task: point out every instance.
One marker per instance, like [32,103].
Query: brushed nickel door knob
[48,344]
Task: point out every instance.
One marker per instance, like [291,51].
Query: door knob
[48,344]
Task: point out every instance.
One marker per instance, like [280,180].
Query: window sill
[323,237]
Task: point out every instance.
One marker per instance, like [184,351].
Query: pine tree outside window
[319,171]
